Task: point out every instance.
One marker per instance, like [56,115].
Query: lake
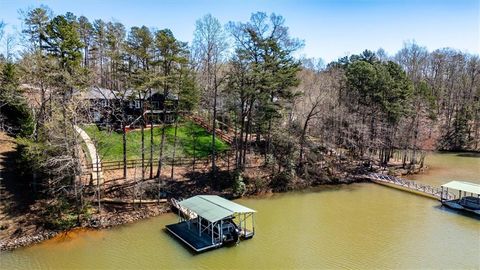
[360,226]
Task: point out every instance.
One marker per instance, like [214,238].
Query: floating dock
[461,201]
[468,196]
[209,221]
[197,242]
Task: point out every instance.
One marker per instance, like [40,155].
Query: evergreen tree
[171,53]
[15,117]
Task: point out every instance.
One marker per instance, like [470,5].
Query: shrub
[239,186]
[282,180]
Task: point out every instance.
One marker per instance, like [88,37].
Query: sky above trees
[330,29]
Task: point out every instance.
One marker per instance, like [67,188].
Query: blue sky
[330,28]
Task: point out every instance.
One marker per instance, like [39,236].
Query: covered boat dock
[468,196]
[210,221]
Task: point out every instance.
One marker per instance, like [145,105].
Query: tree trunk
[214,125]
[174,145]
[124,145]
[151,136]
[143,151]
[160,157]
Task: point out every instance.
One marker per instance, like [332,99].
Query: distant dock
[468,198]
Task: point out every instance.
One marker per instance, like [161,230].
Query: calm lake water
[360,226]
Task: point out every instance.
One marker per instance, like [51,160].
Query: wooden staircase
[225,136]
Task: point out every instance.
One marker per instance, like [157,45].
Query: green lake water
[359,226]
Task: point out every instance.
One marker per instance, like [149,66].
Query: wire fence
[168,161]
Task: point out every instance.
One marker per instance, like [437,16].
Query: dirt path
[97,174]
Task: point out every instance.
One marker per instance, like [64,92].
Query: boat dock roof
[213,208]
[463,186]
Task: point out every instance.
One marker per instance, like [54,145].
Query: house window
[137,104]
[169,118]
[130,104]
[155,105]
[96,117]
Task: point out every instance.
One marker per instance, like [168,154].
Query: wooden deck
[191,238]
[410,186]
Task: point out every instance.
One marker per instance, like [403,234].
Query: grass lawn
[189,137]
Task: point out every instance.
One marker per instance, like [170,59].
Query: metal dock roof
[463,186]
[213,208]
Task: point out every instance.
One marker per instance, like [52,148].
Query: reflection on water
[361,226]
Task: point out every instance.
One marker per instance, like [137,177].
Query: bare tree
[209,51]
[2,29]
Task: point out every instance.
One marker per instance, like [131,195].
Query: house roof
[104,93]
[99,93]
[463,186]
[213,208]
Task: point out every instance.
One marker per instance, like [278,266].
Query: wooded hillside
[298,115]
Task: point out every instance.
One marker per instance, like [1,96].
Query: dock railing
[432,191]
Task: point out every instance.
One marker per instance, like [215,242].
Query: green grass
[189,137]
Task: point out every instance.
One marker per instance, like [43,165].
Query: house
[107,107]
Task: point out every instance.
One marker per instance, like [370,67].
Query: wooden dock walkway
[410,186]
[182,210]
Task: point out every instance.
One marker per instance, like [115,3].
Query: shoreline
[110,219]
[100,221]
[125,215]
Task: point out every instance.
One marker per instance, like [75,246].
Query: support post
[221,230]
[253,224]
[199,226]
[212,233]
[244,225]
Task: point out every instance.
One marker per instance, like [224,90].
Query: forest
[303,122]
